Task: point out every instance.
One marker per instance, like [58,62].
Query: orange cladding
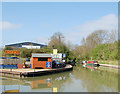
[12,52]
[37,64]
[34,84]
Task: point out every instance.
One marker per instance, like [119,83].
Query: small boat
[93,63]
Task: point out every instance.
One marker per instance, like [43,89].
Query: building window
[42,59]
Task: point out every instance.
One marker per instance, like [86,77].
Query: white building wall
[31,47]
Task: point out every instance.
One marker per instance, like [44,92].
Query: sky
[38,21]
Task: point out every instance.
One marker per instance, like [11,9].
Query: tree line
[100,45]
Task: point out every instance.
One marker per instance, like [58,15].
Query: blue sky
[38,21]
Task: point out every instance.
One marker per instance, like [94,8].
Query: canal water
[79,80]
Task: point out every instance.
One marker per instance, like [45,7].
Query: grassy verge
[108,62]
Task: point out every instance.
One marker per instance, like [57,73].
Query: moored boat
[93,63]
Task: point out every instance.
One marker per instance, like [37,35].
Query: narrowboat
[93,63]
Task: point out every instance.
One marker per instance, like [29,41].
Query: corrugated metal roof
[41,55]
[26,43]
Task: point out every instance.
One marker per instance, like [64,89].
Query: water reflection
[98,80]
[44,83]
[79,80]
[92,67]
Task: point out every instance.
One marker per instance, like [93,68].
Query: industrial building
[28,45]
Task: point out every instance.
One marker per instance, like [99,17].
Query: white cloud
[7,25]
[76,33]
[108,22]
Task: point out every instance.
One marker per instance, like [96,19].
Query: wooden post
[34,70]
[5,55]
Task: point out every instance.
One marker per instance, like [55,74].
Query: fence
[11,61]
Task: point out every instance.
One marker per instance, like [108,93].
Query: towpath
[113,66]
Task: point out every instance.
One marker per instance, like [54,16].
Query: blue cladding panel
[48,64]
[9,66]
[30,66]
[48,80]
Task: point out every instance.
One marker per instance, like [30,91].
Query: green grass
[115,62]
[110,62]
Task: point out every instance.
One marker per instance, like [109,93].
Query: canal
[79,80]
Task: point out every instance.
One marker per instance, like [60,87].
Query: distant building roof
[19,45]
[41,55]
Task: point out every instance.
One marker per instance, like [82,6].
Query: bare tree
[96,38]
[112,36]
[83,41]
[56,39]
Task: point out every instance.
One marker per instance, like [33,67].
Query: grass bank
[110,62]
